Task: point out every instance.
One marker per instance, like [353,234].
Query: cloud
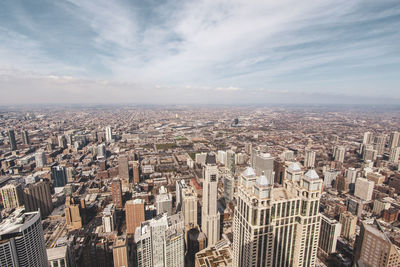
[227,89]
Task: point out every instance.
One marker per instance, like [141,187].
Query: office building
[11,140]
[394,140]
[222,158]
[164,201]
[37,196]
[355,206]
[330,177]
[376,177]
[364,189]
[189,207]
[229,184]
[277,226]
[12,196]
[369,153]
[109,134]
[348,222]
[309,158]
[351,175]
[210,219]
[70,173]
[230,161]
[22,240]
[121,252]
[108,218]
[339,153]
[368,138]
[123,168]
[59,176]
[373,248]
[60,257]
[160,241]
[116,190]
[394,154]
[135,214]
[379,143]
[264,164]
[328,235]
[40,159]
[136,175]
[101,151]
[25,137]
[62,141]
[380,206]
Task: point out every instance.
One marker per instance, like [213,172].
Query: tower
[309,159]
[210,219]
[11,140]
[116,189]
[25,137]
[135,214]
[109,135]
[40,159]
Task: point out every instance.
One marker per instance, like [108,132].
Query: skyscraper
[22,241]
[277,226]
[109,135]
[59,176]
[160,242]
[189,206]
[394,154]
[264,163]
[123,168]
[101,151]
[230,161]
[164,201]
[379,143]
[136,176]
[229,184]
[309,159]
[349,222]
[328,235]
[394,140]
[364,189]
[37,196]
[135,214]
[367,139]
[339,153]
[25,137]
[116,190]
[210,219]
[11,140]
[40,159]
[109,218]
[62,141]
[12,196]
[121,252]
[72,212]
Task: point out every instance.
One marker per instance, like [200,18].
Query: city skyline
[202,52]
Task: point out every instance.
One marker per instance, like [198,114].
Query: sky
[200,52]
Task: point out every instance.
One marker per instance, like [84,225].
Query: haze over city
[200,52]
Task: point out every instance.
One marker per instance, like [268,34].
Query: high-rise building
[11,140]
[219,255]
[22,241]
[135,214]
[328,234]
[210,219]
[116,190]
[351,175]
[376,177]
[329,177]
[25,137]
[364,189]
[394,154]
[349,222]
[136,176]
[369,153]
[40,159]
[121,252]
[160,241]
[264,164]
[62,141]
[70,173]
[229,184]
[222,157]
[373,248]
[59,176]
[189,207]
[380,206]
[368,138]
[72,212]
[379,143]
[230,161]
[309,158]
[164,201]
[109,134]
[37,196]
[61,256]
[12,196]
[394,140]
[123,168]
[108,218]
[101,151]
[339,153]
[277,226]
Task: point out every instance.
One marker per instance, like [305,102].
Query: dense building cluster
[199,186]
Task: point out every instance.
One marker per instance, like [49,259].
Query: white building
[109,218]
[364,189]
[164,201]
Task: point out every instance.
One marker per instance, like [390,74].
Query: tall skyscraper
[349,222]
[351,175]
[160,242]
[123,168]
[229,184]
[328,235]
[37,196]
[394,140]
[121,252]
[135,214]
[109,135]
[11,140]
[379,143]
[373,248]
[364,189]
[230,161]
[40,159]
[116,190]
[189,207]
[339,153]
[264,163]
[368,138]
[59,176]
[62,141]
[22,241]
[309,159]
[25,137]
[394,154]
[210,219]
[277,226]
[136,175]
[12,196]
[164,201]
[101,151]
[109,218]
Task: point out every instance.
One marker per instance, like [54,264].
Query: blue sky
[237,52]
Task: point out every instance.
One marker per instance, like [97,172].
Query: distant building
[59,176]
[309,159]
[22,240]
[230,161]
[109,218]
[394,140]
[123,168]
[264,165]
[376,177]
[37,196]
[40,159]
[379,144]
[229,184]
[328,235]
[11,140]
[109,134]
[136,175]
[164,201]
[101,151]
[116,189]
[394,154]
[12,196]
[135,214]
[72,212]
[339,153]
[25,137]
[364,189]
[189,207]
[348,222]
